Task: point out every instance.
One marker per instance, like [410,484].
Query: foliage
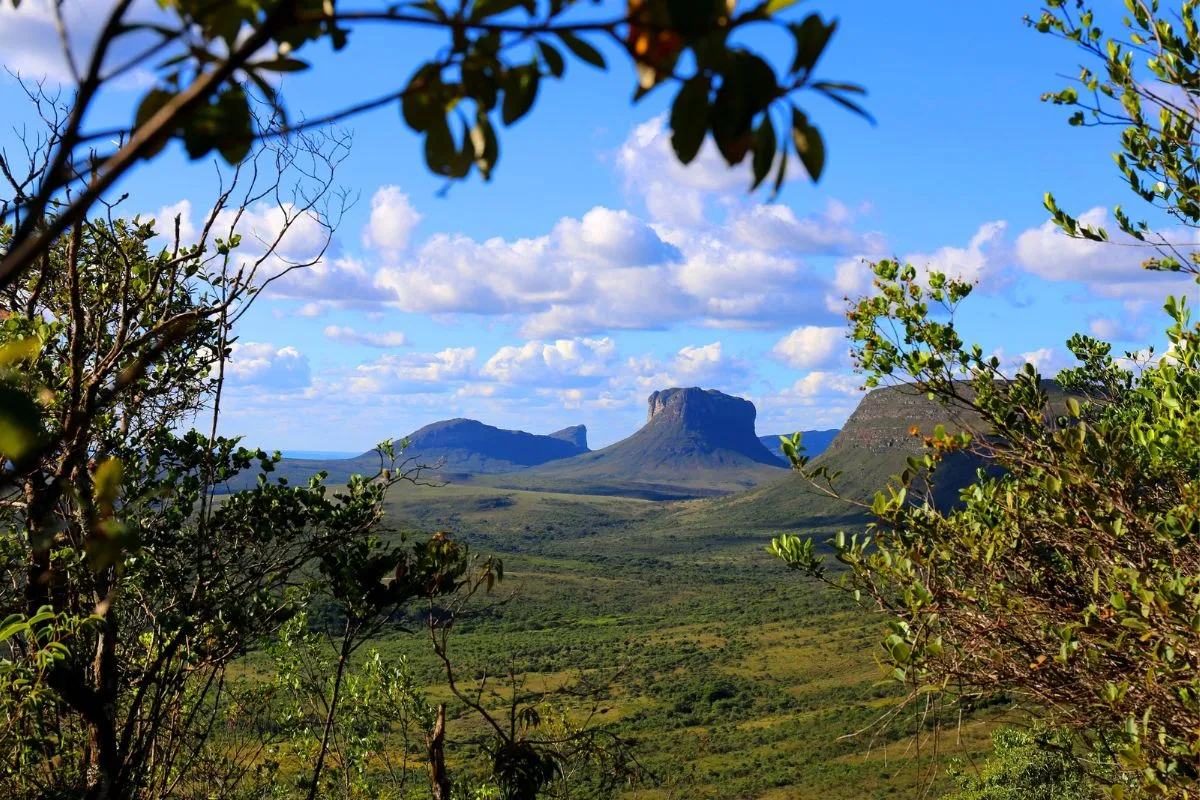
[1070,577]
[130,590]
[1033,764]
[209,58]
[1145,82]
[1068,574]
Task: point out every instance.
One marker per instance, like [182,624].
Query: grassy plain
[734,678]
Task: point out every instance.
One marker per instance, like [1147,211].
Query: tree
[1069,572]
[497,54]
[130,588]
[1035,764]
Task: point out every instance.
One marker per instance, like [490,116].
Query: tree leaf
[553,59]
[20,424]
[440,150]
[809,144]
[420,103]
[811,35]
[154,100]
[487,150]
[520,92]
[689,118]
[764,150]
[582,50]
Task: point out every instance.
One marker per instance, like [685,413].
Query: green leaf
[281,64]
[775,6]
[764,150]
[809,144]
[420,104]
[553,59]
[689,118]
[811,35]
[20,424]
[106,483]
[487,151]
[154,100]
[440,150]
[520,92]
[582,50]
[490,8]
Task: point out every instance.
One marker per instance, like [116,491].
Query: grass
[736,678]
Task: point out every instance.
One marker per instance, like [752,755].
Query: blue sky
[592,270]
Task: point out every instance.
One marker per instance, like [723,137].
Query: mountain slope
[815,443]
[447,447]
[692,437]
[467,445]
[871,447]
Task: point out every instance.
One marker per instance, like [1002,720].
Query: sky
[593,269]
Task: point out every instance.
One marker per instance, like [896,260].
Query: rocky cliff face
[884,417]
[711,420]
[692,436]
[576,435]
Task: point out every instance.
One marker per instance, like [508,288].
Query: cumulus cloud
[983,261]
[614,238]
[393,218]
[564,362]
[672,192]
[1048,361]
[820,399]
[264,366]
[811,346]
[345,335]
[425,372]
[1109,329]
[30,44]
[605,271]
[776,227]
[1112,269]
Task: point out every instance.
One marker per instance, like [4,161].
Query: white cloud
[393,218]
[164,223]
[427,372]
[606,271]
[673,192]
[346,335]
[30,44]
[776,227]
[564,362]
[811,346]
[819,400]
[1046,360]
[1109,329]
[264,366]
[615,238]
[983,261]
[1112,269]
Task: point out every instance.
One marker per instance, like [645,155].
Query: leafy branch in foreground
[1069,573]
[207,58]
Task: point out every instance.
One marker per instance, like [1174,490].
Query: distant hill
[871,447]
[693,437]
[453,446]
[466,445]
[815,442]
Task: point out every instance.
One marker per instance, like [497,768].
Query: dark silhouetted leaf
[689,118]
[582,50]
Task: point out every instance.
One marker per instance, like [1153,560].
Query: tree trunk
[439,781]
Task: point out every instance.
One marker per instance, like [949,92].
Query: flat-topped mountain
[871,447]
[692,437]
